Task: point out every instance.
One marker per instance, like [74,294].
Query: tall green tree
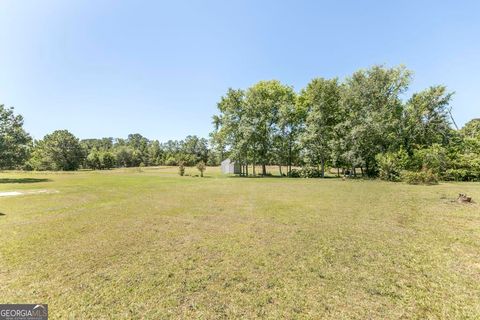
[195,149]
[427,118]
[154,153]
[320,101]
[471,129]
[60,150]
[372,100]
[263,102]
[287,127]
[14,140]
[232,131]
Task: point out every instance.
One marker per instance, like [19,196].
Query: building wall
[229,167]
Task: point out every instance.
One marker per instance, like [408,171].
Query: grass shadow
[2,214]
[23,180]
[281,177]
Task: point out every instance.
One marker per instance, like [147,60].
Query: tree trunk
[289,157]
[323,168]
[246,170]
[280,168]
[264,169]
[338,172]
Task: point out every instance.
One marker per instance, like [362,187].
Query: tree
[194,149]
[263,102]
[99,144]
[471,129]
[201,167]
[59,150]
[320,101]
[107,160]
[287,127]
[154,153]
[230,128]
[427,118]
[372,100]
[14,141]
[93,160]
[139,146]
[124,156]
[464,153]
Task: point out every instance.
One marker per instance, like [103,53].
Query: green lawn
[131,244]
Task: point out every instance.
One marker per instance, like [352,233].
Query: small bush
[306,172]
[457,175]
[310,172]
[433,158]
[294,173]
[201,167]
[426,177]
[181,168]
[391,164]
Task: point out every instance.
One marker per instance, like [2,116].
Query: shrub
[310,172]
[426,177]
[294,173]
[465,167]
[456,175]
[433,158]
[391,164]
[305,172]
[201,167]
[181,168]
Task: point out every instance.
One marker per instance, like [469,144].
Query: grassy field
[131,244]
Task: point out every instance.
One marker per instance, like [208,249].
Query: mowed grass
[148,244]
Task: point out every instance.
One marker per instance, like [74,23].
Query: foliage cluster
[362,122]
[426,177]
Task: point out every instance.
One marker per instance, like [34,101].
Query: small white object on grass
[25,192]
[10,193]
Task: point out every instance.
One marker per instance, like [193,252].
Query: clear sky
[108,68]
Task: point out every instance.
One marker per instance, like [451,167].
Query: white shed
[229,167]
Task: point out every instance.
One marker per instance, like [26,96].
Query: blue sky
[109,68]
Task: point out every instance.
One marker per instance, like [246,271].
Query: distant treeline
[63,151]
[363,124]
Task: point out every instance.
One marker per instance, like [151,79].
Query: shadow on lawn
[2,214]
[23,180]
[259,176]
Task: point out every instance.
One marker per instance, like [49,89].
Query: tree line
[61,150]
[363,125]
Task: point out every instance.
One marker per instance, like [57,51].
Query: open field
[130,244]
